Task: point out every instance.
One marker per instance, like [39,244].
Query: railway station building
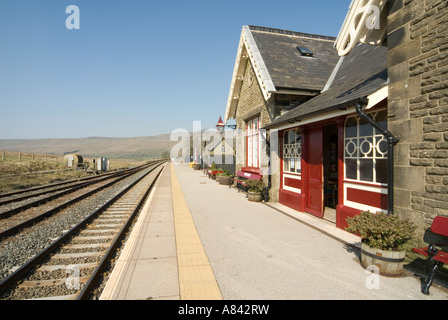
[275,71]
[361,120]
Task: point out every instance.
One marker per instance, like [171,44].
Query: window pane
[366,147]
[351,148]
[249,128]
[255,152]
[351,168]
[298,165]
[381,170]
[381,118]
[249,151]
[366,170]
[351,128]
[292,137]
[365,129]
[298,138]
[381,147]
[286,164]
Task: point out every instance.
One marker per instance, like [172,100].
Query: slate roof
[287,68]
[278,64]
[360,74]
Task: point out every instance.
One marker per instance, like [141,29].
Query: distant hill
[124,148]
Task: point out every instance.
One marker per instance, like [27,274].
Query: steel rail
[13,193]
[93,280]
[14,277]
[30,222]
[73,184]
[65,190]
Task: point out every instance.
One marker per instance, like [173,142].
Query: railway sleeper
[47,283]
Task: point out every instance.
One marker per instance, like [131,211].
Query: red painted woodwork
[369,198]
[362,183]
[341,144]
[289,199]
[440,226]
[315,169]
[342,213]
[252,170]
[293,183]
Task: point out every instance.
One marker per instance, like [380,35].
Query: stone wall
[418,107]
[252,104]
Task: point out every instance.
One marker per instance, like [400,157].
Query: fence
[17,156]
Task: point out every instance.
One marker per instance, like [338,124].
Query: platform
[198,240]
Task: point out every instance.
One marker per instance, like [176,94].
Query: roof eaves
[341,106]
[247,44]
[263,77]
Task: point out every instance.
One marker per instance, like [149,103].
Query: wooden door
[315,174]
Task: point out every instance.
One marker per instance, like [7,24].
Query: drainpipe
[391,141]
[268,153]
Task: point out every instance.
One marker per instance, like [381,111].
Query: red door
[315,203]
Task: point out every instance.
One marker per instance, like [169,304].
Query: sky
[134,67]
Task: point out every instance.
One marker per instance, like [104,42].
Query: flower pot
[254,196]
[196,166]
[390,263]
[224,180]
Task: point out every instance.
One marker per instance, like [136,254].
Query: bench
[242,176]
[436,257]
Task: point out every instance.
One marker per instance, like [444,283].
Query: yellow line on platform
[196,278]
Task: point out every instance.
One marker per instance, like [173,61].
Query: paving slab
[270,252]
[199,240]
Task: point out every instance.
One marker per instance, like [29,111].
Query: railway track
[72,265]
[21,195]
[52,201]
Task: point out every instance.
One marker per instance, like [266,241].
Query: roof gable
[278,64]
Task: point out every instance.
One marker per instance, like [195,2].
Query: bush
[382,231]
[225,173]
[255,185]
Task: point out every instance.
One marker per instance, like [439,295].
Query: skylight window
[304,51]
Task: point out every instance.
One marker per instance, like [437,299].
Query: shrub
[382,231]
[225,173]
[255,185]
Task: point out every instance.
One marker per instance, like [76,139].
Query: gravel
[17,250]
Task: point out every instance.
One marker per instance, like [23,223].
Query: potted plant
[224,178]
[255,189]
[383,237]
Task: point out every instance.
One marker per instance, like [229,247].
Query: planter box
[254,196]
[390,263]
[224,180]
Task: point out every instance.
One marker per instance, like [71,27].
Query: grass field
[27,173]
